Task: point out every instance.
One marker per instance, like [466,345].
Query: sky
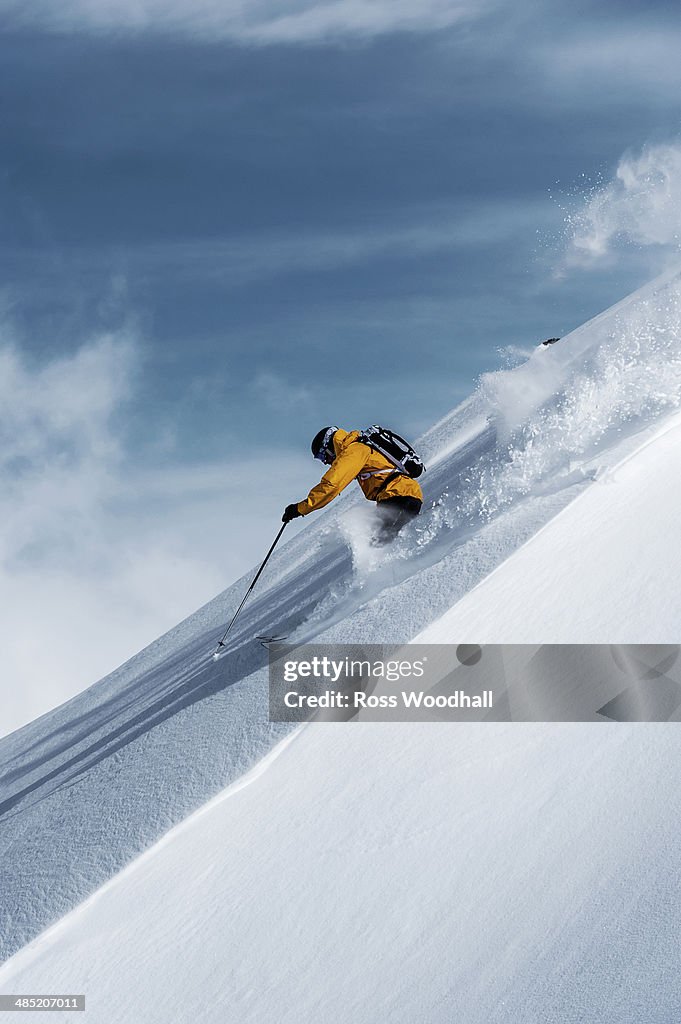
[227,224]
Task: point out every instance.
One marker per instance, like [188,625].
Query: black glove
[290,512]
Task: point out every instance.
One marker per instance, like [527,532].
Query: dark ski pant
[393,514]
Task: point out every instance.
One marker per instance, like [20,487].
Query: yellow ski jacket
[357,461]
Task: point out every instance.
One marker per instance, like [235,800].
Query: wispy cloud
[99,552]
[280,394]
[240,260]
[633,59]
[249,21]
[640,205]
[58,448]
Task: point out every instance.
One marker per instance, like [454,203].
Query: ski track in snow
[88,787]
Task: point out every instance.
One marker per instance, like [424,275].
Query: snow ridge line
[51,934]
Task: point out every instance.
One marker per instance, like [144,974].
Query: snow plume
[250,21]
[641,205]
[557,411]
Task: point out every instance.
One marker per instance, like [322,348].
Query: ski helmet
[322,444]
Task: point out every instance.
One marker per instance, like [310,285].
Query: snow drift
[88,787]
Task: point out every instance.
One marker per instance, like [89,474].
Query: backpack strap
[393,475]
[388,480]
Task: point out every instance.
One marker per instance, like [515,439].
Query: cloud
[424,229]
[101,550]
[443,233]
[280,394]
[57,446]
[635,59]
[248,21]
[641,205]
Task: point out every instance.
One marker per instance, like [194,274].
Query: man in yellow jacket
[398,497]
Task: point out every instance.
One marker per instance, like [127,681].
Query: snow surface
[611,546]
[408,873]
[399,873]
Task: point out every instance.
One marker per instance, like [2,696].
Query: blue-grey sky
[245,221]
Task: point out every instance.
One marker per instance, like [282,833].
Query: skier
[398,497]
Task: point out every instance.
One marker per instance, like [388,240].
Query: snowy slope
[89,786]
[603,570]
[407,873]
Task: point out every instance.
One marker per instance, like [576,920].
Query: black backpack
[394,448]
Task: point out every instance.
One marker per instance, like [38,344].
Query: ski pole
[221,642]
